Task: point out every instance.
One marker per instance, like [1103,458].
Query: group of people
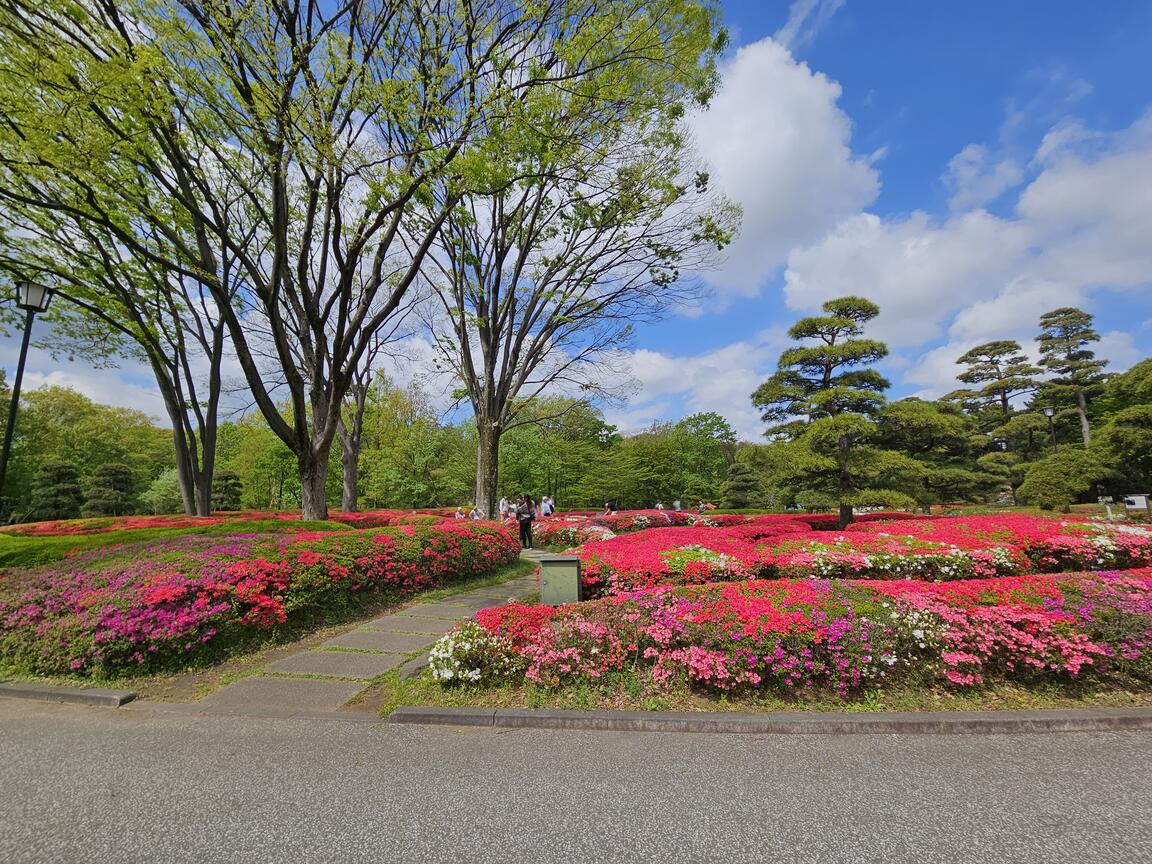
[474,513]
[524,510]
[702,507]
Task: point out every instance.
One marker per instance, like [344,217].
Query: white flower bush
[472,655]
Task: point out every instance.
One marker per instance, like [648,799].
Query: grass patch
[628,692]
[21,551]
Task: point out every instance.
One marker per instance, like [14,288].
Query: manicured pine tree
[227,490]
[56,492]
[824,398]
[1064,336]
[111,490]
[1004,371]
[742,488]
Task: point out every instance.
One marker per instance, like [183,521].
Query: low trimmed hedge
[163,603]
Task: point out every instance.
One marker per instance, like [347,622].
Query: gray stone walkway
[325,678]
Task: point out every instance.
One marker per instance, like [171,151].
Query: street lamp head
[1049,411]
[33,296]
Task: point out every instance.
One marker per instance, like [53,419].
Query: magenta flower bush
[938,550]
[794,635]
[150,605]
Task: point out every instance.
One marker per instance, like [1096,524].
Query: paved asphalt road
[87,784]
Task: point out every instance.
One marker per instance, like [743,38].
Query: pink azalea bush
[793,635]
[680,556]
[1051,544]
[937,550]
[147,605]
[105,524]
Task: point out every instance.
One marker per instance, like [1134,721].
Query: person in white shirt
[676,505]
[476,513]
[460,513]
[546,506]
[503,507]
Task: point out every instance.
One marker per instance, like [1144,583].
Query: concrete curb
[76,695]
[789,723]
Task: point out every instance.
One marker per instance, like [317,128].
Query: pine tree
[1064,336]
[825,379]
[110,491]
[742,489]
[1004,371]
[227,490]
[56,492]
[824,399]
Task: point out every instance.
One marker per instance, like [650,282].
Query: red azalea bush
[641,520]
[567,531]
[886,556]
[103,524]
[1051,544]
[938,550]
[681,556]
[790,635]
[150,604]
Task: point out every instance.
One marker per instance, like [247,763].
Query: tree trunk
[313,487]
[203,493]
[1082,410]
[845,515]
[845,481]
[487,466]
[350,459]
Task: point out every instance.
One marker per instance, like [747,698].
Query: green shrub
[111,490]
[56,492]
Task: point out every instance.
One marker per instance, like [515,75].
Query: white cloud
[777,143]
[974,178]
[720,380]
[805,19]
[129,386]
[1079,227]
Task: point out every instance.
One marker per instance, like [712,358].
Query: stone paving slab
[374,640]
[433,627]
[295,695]
[337,664]
[442,610]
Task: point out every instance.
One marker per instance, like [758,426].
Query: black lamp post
[32,298]
[1050,412]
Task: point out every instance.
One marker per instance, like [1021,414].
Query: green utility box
[559,580]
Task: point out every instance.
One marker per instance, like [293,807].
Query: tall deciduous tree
[589,229]
[298,138]
[143,310]
[1065,335]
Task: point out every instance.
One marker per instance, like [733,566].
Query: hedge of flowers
[794,635]
[104,524]
[147,605]
[1052,545]
[934,550]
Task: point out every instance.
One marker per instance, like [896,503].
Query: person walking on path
[503,507]
[546,506]
[525,513]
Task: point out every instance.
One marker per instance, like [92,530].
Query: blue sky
[966,165]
